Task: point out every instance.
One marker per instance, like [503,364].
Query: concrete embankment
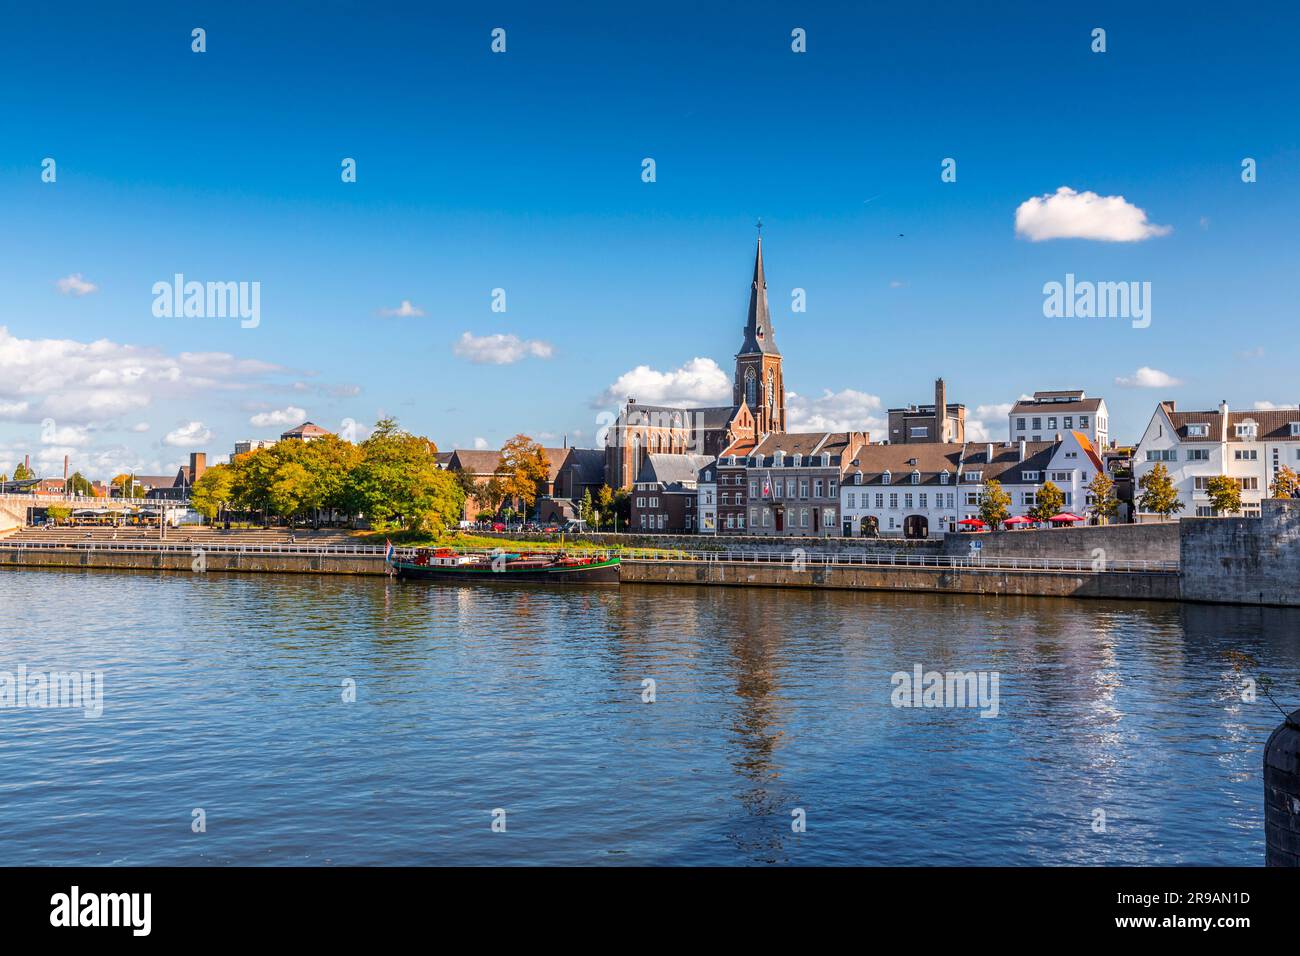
[1119,585]
[184,560]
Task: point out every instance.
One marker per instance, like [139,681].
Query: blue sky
[522,171]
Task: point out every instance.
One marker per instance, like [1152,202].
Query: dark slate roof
[1055,407]
[758,322]
[670,470]
[1273,424]
[712,417]
[587,465]
[1006,465]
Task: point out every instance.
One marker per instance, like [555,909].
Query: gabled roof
[806,444]
[1273,424]
[587,465]
[672,470]
[1006,465]
[662,416]
[930,459]
[1055,407]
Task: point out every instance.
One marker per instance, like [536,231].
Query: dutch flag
[391,553]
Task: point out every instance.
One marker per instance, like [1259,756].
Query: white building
[251,444]
[1194,447]
[919,491]
[1049,414]
[706,501]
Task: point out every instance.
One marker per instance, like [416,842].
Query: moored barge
[444,564]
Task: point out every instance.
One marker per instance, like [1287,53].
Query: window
[922,502]
[803,487]
[1020,424]
[817,488]
[1204,511]
[1162,454]
[1027,498]
[1200,483]
[1246,430]
[1038,423]
[753,517]
[654,502]
[640,502]
[907,501]
[973,498]
[1198,454]
[919,432]
[1031,476]
[880,501]
[1246,454]
[1051,423]
[1062,476]
[753,487]
[789,487]
[893,500]
[726,498]
[828,518]
[798,460]
[943,478]
[1083,421]
[767,517]
[643,520]
[1295,429]
[740,520]
[853,500]
[884,478]
[1198,430]
[731,521]
[832,488]
[857,477]
[1069,421]
[803,517]
[1247,484]
[974,476]
[916,477]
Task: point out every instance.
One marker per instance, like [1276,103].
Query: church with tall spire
[757,408]
[758,382]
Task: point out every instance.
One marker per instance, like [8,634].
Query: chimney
[65,474]
[1223,420]
[988,454]
[198,465]
[1022,449]
[27,462]
[940,411]
[1058,437]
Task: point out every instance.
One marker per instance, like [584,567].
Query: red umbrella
[1065,516]
[1019,519]
[973,522]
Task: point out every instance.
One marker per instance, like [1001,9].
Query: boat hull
[605,572]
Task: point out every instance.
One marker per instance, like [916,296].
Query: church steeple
[759,383]
[758,323]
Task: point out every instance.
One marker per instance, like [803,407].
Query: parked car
[498,526]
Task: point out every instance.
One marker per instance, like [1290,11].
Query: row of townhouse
[1250,447]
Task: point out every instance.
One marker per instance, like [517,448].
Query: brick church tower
[758,363]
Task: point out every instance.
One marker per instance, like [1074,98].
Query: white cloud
[1067,214]
[404,311]
[1146,377]
[1271,406]
[481,444]
[500,349]
[191,435]
[292,415]
[988,422]
[845,410]
[52,434]
[140,427]
[76,285]
[69,380]
[698,382]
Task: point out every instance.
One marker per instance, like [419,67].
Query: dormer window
[731,459]
[857,477]
[826,460]
[1295,429]
[974,476]
[778,458]
[798,460]
[1246,430]
[884,478]
[943,478]
[916,477]
[1198,431]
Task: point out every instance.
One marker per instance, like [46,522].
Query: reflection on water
[226,693]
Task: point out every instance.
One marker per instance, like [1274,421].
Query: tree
[125,487]
[78,484]
[1104,503]
[466,481]
[605,503]
[211,494]
[995,504]
[587,509]
[491,493]
[1225,494]
[524,467]
[1285,483]
[22,472]
[1048,501]
[1159,496]
[58,513]
[398,482]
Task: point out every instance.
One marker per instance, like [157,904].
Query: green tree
[1159,495]
[212,492]
[491,493]
[995,504]
[1104,504]
[1284,484]
[58,513]
[1048,501]
[22,472]
[398,482]
[1225,495]
[605,504]
[587,509]
[466,482]
[78,484]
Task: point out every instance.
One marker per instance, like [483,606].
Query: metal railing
[897,559]
[189,547]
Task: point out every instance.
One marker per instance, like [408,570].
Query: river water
[1121,736]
